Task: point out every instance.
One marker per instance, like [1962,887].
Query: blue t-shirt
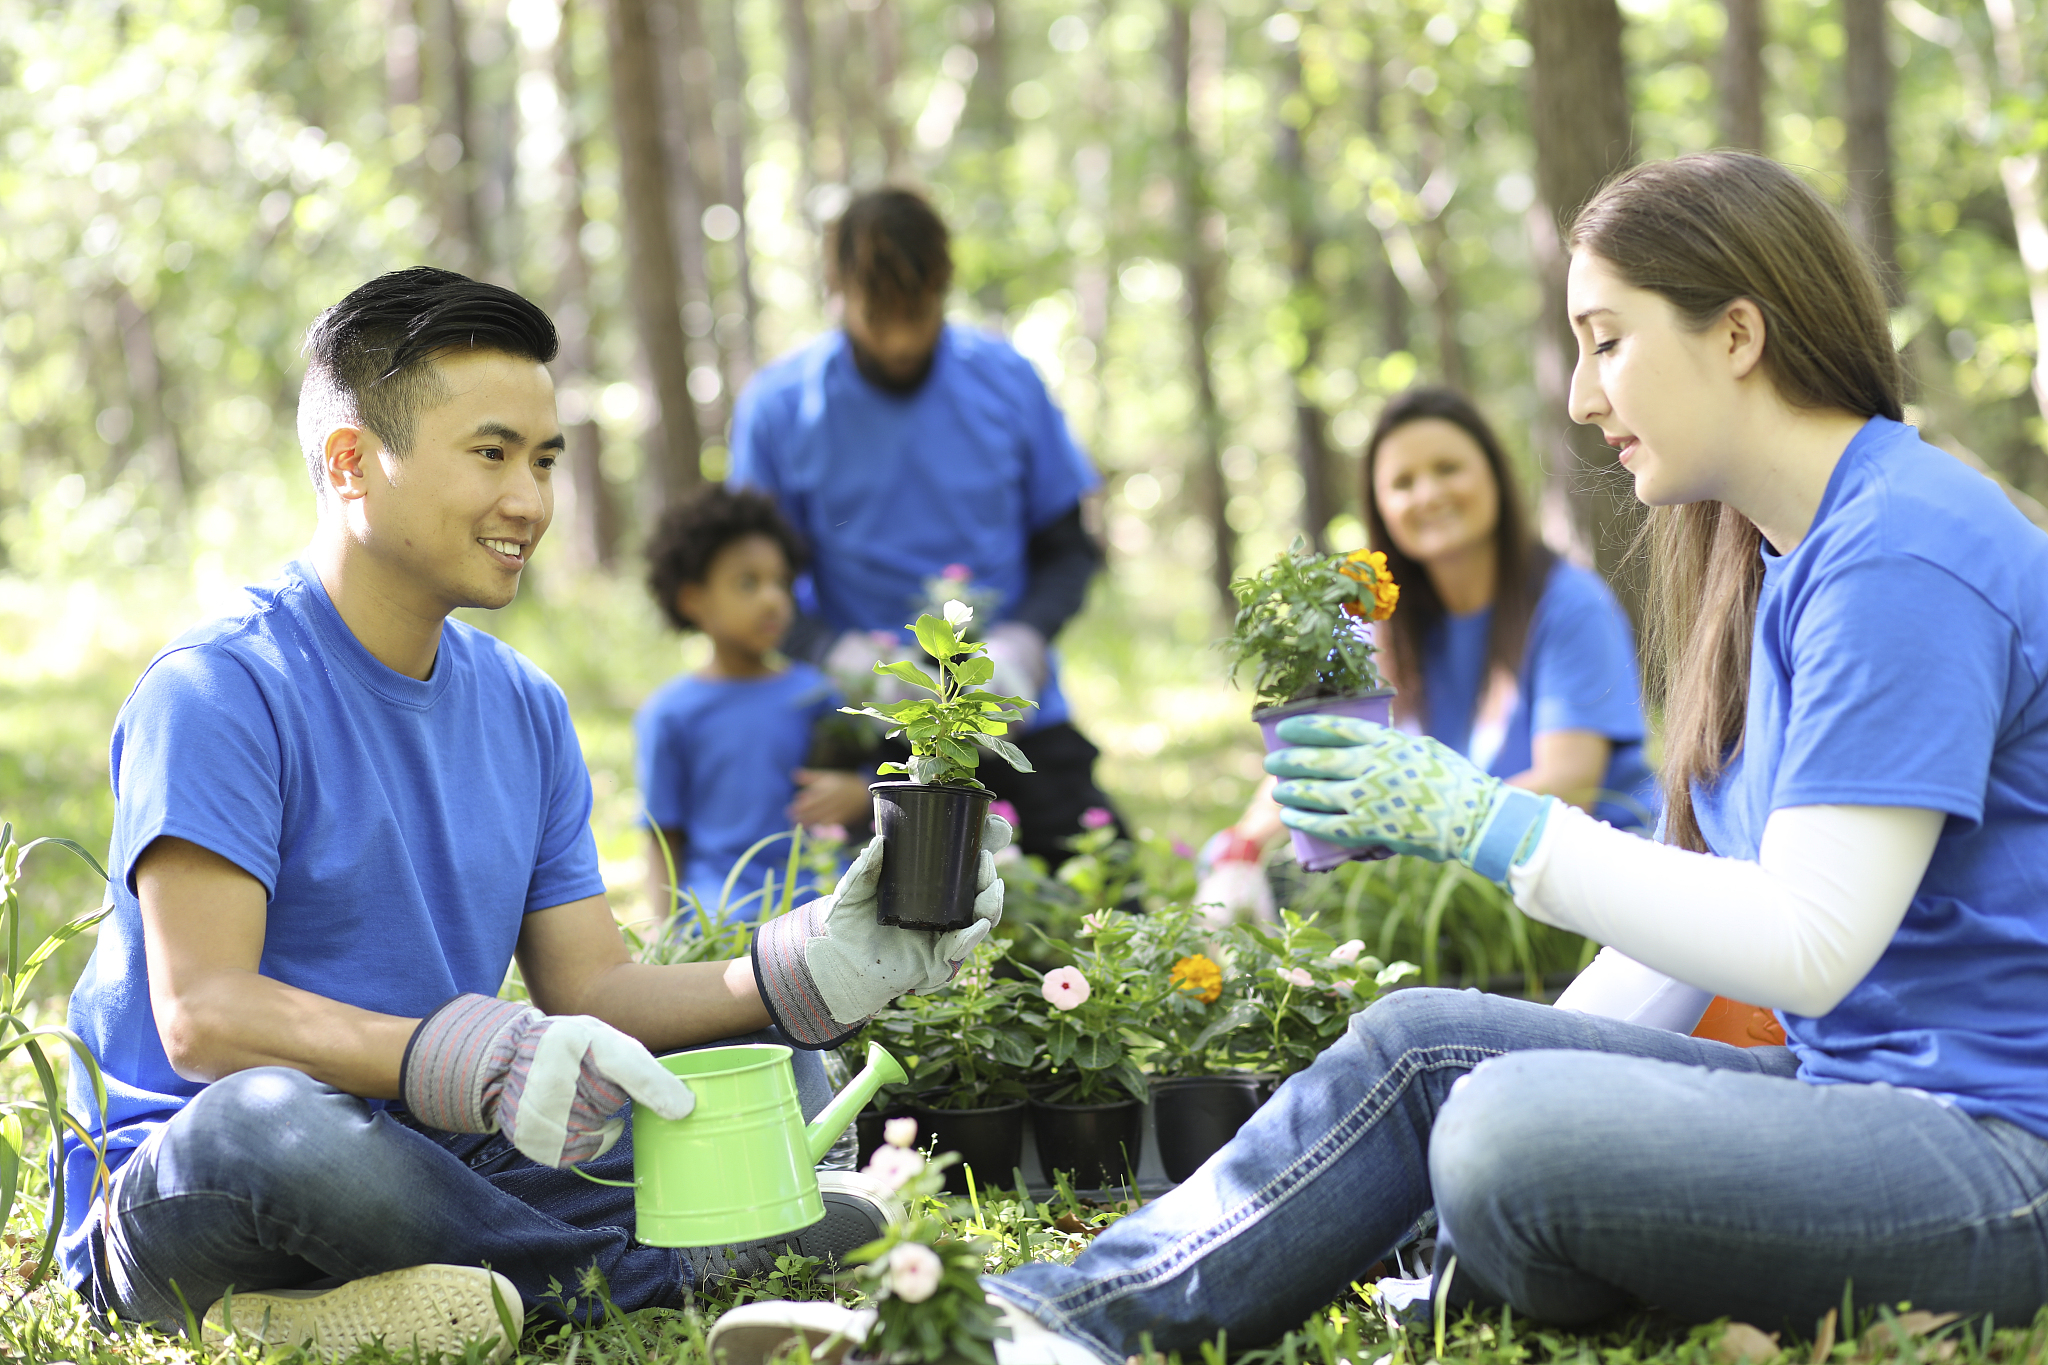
[401,829]
[1578,673]
[715,759]
[888,490]
[1899,660]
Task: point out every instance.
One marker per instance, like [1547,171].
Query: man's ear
[346,450]
[1743,327]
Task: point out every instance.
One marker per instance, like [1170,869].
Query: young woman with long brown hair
[1857,634]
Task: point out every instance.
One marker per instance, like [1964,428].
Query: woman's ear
[1743,326]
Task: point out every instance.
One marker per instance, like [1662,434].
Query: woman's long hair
[1520,562]
[1704,231]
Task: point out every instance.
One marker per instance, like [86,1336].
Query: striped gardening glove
[1363,785]
[553,1083]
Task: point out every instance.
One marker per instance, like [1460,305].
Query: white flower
[1300,977]
[958,613]
[913,1271]
[892,1166]
[1065,988]
[900,1132]
[1348,951]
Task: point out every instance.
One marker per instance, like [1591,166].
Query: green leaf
[1005,750]
[1060,1040]
[908,672]
[935,633]
[1097,1051]
[974,670]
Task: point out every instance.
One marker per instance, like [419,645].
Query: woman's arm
[1567,764]
[1794,930]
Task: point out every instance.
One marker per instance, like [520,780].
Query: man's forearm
[683,1004]
[234,1020]
[1062,557]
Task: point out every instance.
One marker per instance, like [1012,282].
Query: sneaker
[425,1308]
[756,1333]
[857,1211]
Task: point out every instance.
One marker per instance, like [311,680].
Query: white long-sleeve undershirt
[1794,930]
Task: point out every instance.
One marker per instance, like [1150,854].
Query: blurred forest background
[1224,230]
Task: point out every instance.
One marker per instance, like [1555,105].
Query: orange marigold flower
[1199,977]
[1370,568]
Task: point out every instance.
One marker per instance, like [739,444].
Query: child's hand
[829,797]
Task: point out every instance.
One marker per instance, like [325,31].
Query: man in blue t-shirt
[339,817]
[920,460]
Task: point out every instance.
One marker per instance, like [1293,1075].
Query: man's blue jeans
[270,1179]
[1578,1165]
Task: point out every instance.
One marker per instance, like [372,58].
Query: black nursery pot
[1195,1115]
[867,1127]
[1097,1145]
[989,1140]
[934,845]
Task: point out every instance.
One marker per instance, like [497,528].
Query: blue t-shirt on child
[1901,659]
[716,759]
[402,830]
[889,490]
[1578,673]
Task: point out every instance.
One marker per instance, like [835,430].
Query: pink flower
[958,573]
[1344,988]
[1095,921]
[1182,849]
[1347,951]
[1300,977]
[1007,812]
[1065,988]
[1095,817]
[913,1271]
[892,1166]
[900,1132]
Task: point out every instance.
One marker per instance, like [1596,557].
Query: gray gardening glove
[552,1083]
[826,967]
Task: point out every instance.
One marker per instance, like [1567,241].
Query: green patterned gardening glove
[1362,785]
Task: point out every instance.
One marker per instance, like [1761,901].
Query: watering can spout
[824,1130]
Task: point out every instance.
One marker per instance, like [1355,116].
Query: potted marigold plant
[1304,627]
[933,819]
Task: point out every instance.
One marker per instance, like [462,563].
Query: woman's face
[1659,392]
[1435,490]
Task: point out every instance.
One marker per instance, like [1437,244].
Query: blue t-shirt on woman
[716,759]
[402,830]
[1901,659]
[1578,673]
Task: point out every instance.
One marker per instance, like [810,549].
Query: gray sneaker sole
[431,1307]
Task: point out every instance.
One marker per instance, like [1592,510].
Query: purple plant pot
[1318,855]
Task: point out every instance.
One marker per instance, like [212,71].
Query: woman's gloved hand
[824,968]
[1362,785]
[550,1082]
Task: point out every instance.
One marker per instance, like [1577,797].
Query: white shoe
[757,1333]
[424,1308]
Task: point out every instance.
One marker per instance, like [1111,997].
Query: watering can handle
[600,1180]
[882,1069]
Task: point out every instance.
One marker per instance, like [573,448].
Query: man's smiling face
[454,522]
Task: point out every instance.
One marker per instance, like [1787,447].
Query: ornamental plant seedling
[1303,624]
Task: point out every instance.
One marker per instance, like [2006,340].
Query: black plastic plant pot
[1317,855]
[1196,1115]
[867,1127]
[1097,1145]
[990,1142]
[929,862]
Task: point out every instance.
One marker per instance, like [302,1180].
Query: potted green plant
[1087,1088]
[969,1052]
[1303,987]
[933,819]
[1304,626]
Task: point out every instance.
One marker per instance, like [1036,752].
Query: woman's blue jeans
[269,1179]
[1578,1165]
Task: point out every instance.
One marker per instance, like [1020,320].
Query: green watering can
[742,1165]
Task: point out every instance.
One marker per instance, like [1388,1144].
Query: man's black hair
[892,247]
[691,533]
[369,358]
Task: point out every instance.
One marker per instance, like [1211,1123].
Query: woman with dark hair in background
[1856,785]
[1521,662]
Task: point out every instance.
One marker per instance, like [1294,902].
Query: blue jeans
[1578,1165]
[270,1179]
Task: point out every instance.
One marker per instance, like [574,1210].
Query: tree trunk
[693,185]
[594,520]
[1867,97]
[1198,272]
[885,48]
[797,84]
[146,388]
[1389,295]
[1579,114]
[401,54]
[1437,183]
[988,96]
[731,119]
[2025,176]
[1319,496]
[453,151]
[1742,76]
[673,442]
